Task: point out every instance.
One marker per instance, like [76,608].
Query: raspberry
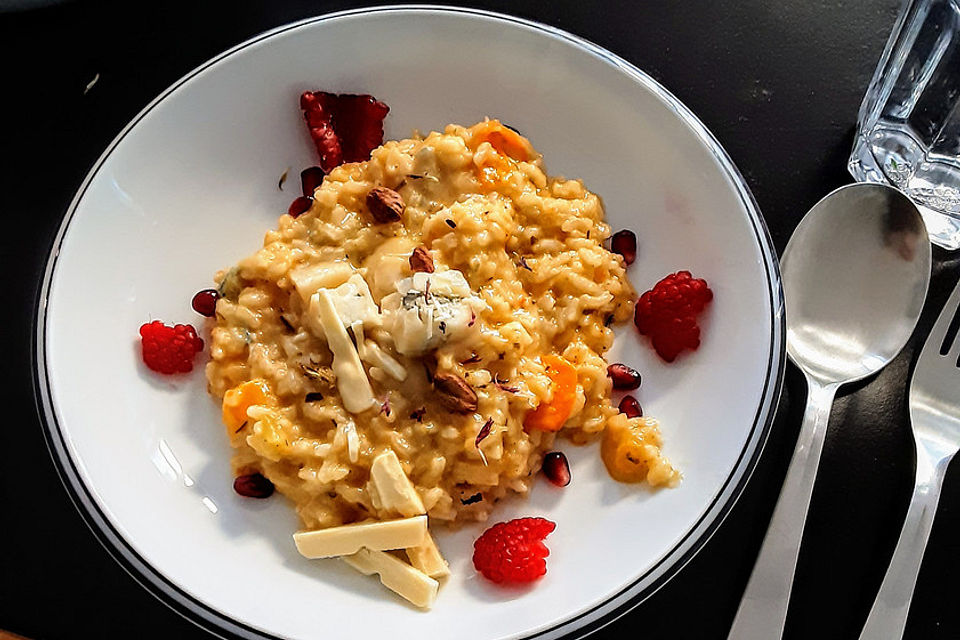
[169,349]
[358,121]
[318,112]
[513,552]
[668,313]
[344,127]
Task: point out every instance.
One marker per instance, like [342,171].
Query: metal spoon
[855,274]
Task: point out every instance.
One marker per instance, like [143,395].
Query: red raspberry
[668,313]
[344,127]
[169,349]
[513,552]
[358,121]
[318,112]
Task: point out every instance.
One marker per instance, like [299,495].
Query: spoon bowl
[855,275]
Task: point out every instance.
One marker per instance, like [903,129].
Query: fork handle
[763,609]
[888,616]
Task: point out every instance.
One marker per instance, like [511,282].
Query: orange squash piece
[551,416]
[494,171]
[510,146]
[236,401]
[504,139]
[622,453]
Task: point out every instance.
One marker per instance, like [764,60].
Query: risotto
[445,301]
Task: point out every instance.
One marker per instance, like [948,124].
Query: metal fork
[935,415]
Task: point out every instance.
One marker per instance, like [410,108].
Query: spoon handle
[888,616]
[763,608]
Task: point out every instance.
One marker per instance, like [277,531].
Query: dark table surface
[778,82]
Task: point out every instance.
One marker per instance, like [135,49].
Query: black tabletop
[778,82]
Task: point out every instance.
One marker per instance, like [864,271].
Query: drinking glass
[908,129]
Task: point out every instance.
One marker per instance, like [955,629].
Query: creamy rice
[531,250]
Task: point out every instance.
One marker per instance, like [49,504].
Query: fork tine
[949,338]
[939,331]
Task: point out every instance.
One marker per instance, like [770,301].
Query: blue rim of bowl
[581,623]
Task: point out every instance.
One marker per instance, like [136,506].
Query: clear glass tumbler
[908,132]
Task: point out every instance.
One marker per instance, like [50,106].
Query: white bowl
[190,186]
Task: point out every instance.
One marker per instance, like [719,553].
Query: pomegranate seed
[630,407]
[556,468]
[205,302]
[625,243]
[623,377]
[253,485]
[310,179]
[300,205]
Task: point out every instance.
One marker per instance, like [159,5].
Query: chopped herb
[588,234]
[231,285]
[425,176]
[477,497]
[283,178]
[313,396]
[385,407]
[500,356]
[286,323]
[442,326]
[241,427]
[533,240]
[451,223]
[523,264]
[484,432]
[502,385]
[319,373]
[893,162]
[474,358]
[90,84]
[418,414]
[473,318]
